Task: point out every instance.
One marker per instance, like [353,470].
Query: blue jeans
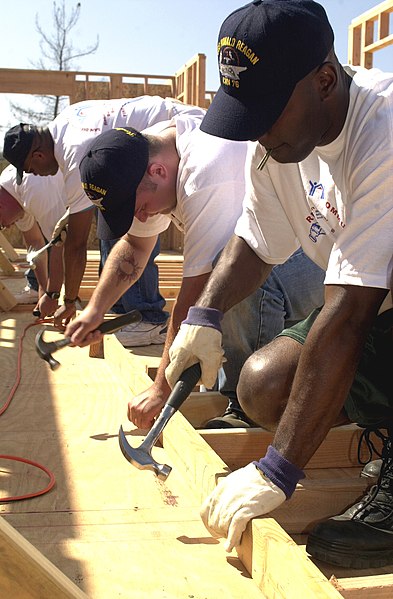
[143,295]
[290,293]
[31,279]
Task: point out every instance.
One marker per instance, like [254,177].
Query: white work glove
[196,343]
[240,496]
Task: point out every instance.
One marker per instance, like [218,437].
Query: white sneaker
[142,333]
[27,296]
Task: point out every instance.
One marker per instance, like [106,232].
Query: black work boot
[361,537]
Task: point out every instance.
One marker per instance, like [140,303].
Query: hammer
[141,457]
[45,349]
[57,237]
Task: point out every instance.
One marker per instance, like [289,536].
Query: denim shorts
[370,399]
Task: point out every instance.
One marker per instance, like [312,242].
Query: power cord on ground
[4,408]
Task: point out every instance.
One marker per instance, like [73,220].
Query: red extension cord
[4,408]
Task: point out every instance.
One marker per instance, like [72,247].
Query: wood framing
[187,85]
[369,32]
[113,530]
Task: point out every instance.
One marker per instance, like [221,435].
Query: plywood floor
[113,530]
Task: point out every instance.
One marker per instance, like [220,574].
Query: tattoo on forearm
[128,269]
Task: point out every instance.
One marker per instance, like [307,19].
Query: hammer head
[141,458]
[45,348]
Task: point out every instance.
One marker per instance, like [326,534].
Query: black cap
[264,49]
[111,171]
[17,144]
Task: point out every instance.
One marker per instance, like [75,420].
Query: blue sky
[148,36]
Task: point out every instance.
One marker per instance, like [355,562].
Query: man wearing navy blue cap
[173,172]
[319,176]
[60,146]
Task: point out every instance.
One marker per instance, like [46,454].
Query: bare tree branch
[57,53]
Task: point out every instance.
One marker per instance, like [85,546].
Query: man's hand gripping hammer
[141,457]
[45,349]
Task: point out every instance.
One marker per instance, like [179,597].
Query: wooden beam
[7,300]
[190,454]
[278,566]
[7,248]
[5,265]
[25,573]
[238,447]
[361,42]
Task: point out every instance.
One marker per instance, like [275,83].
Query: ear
[327,79]
[38,154]
[157,171]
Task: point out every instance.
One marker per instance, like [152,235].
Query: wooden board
[113,530]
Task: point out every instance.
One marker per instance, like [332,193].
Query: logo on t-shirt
[314,187]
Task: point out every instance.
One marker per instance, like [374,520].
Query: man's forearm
[56,269]
[74,268]
[122,269]
[238,273]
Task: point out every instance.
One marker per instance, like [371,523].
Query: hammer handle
[114,324]
[108,326]
[182,389]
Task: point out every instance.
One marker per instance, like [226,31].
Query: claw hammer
[141,457]
[45,349]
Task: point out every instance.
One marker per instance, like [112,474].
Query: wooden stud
[7,300]
[5,264]
[7,248]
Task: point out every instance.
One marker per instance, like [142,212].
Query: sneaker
[27,296]
[142,333]
[230,419]
[361,537]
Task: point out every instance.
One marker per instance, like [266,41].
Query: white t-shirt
[210,191]
[42,198]
[337,203]
[77,125]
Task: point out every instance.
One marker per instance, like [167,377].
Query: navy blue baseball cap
[111,171]
[264,49]
[18,142]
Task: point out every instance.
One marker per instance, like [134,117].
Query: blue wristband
[204,317]
[281,472]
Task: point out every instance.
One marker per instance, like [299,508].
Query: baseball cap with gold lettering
[111,171]
[264,49]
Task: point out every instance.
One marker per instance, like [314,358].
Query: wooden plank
[238,447]
[7,247]
[102,507]
[278,566]
[25,573]
[5,264]
[190,454]
[7,300]
[361,587]
[112,529]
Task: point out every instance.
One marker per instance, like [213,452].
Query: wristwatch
[53,294]
[67,300]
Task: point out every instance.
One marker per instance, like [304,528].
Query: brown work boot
[231,419]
